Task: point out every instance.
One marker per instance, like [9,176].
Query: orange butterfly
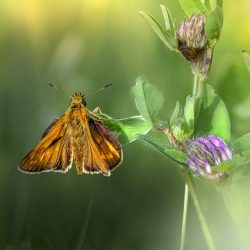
[77,135]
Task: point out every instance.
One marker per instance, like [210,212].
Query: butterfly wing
[52,152]
[74,136]
[109,153]
[95,149]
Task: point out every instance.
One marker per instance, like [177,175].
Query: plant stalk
[195,86]
[193,191]
[184,217]
[198,89]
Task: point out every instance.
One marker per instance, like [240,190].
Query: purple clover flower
[206,152]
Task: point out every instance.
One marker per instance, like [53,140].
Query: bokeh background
[80,45]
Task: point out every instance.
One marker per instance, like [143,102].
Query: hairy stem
[195,86]
[198,89]
[192,189]
[184,217]
[201,85]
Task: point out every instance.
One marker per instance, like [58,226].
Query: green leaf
[237,194]
[167,37]
[175,114]
[192,6]
[242,144]
[242,159]
[126,129]
[189,111]
[213,4]
[241,155]
[246,58]
[213,116]
[168,20]
[242,110]
[207,4]
[156,26]
[165,149]
[148,99]
[214,23]
[219,3]
[237,200]
[236,165]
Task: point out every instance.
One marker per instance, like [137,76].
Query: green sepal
[167,36]
[168,20]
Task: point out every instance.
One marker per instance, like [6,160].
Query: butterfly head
[78,100]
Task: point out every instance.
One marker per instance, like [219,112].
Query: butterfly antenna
[55,87]
[101,89]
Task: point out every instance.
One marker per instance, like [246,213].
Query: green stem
[201,85]
[184,218]
[195,86]
[198,89]
[192,189]
[199,96]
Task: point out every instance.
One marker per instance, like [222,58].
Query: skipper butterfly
[77,135]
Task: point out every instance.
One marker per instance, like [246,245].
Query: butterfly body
[77,135]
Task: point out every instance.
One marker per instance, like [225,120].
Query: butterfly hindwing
[106,144]
[52,152]
[95,149]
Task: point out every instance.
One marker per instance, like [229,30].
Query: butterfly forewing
[52,152]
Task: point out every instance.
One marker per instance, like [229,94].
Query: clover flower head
[191,37]
[194,45]
[206,152]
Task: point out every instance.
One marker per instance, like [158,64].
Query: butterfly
[79,136]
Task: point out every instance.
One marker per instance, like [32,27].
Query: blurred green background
[80,45]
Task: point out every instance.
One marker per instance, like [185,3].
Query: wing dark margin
[50,127]
[106,135]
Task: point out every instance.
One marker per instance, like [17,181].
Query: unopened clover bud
[204,153]
[193,44]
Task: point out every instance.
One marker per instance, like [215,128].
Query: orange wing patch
[52,153]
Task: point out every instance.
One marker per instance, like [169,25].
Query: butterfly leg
[97,110]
